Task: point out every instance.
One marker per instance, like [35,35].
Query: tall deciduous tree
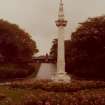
[53,50]
[88,48]
[15,43]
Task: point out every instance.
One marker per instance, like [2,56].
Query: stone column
[61,53]
[61,75]
[61,23]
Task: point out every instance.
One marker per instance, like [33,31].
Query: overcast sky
[37,16]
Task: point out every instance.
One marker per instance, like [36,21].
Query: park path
[46,71]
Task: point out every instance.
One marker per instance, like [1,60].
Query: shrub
[13,71]
[58,87]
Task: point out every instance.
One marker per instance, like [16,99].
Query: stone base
[61,77]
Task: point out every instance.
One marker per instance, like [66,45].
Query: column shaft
[61,51]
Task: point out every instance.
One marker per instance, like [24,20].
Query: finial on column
[61,10]
[61,18]
[61,1]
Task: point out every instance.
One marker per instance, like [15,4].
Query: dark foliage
[53,50]
[13,71]
[16,45]
[88,48]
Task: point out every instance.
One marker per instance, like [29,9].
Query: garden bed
[48,85]
[44,92]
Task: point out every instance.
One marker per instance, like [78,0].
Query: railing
[34,60]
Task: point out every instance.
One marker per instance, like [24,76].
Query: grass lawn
[13,94]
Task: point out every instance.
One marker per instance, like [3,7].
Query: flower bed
[59,87]
[93,97]
[48,93]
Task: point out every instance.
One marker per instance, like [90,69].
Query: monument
[61,23]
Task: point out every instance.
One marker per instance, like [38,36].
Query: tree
[87,54]
[15,43]
[53,50]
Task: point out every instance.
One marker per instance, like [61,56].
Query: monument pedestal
[61,77]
